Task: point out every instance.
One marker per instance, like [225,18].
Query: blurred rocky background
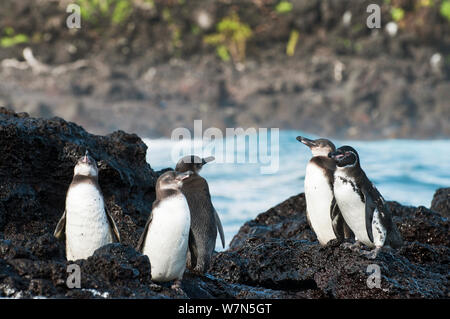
[149,66]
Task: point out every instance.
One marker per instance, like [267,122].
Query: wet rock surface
[275,255]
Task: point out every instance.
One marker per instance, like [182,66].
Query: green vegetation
[397,14]
[230,39]
[426,3]
[445,9]
[112,11]
[292,43]
[283,7]
[173,27]
[10,39]
[177,24]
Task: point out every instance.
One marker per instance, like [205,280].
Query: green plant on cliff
[397,14]
[113,12]
[230,39]
[445,9]
[9,38]
[174,29]
[283,7]
[292,43]
[417,13]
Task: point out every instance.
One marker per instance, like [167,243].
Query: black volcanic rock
[441,201]
[287,220]
[37,157]
[121,271]
[278,250]
[276,255]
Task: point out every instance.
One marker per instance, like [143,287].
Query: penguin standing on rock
[361,204]
[204,219]
[86,221]
[166,233]
[322,212]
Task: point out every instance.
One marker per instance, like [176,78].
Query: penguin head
[192,163]
[171,180]
[86,166]
[319,147]
[345,156]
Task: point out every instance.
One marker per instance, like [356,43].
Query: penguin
[322,212]
[86,221]
[204,218]
[166,233]
[361,204]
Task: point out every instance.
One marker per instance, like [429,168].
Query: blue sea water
[407,171]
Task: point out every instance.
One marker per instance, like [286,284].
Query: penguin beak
[306,141]
[208,159]
[336,155]
[182,176]
[85,158]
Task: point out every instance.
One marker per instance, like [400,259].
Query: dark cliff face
[161,73]
[275,255]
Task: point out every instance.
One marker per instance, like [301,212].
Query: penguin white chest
[167,239]
[87,227]
[319,197]
[352,206]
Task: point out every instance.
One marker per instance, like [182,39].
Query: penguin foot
[355,247]
[155,287]
[333,243]
[199,270]
[177,287]
[371,254]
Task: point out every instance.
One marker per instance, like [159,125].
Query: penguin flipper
[370,209]
[393,237]
[338,223]
[141,242]
[220,228]
[60,227]
[113,226]
[193,253]
[348,233]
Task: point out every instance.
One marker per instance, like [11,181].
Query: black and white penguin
[361,204]
[204,218]
[166,233]
[322,212]
[86,221]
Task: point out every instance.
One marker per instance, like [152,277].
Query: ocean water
[407,171]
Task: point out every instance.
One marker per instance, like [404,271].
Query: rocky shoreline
[275,255]
[138,78]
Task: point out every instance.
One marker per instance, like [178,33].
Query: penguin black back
[204,219]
